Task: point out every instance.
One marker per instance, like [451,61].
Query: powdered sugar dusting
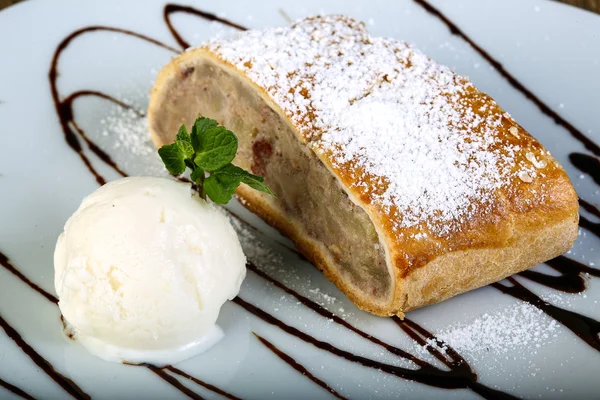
[419,143]
[418,140]
[518,327]
[313,69]
[125,132]
[128,130]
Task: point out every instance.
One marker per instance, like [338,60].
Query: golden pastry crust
[520,208]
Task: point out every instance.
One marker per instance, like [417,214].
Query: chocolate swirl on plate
[5,262]
[178,8]
[15,390]
[297,366]
[64,107]
[66,383]
[570,279]
[584,222]
[459,374]
[586,328]
[587,164]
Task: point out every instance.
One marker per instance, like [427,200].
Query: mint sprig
[208,152]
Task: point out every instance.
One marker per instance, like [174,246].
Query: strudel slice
[395,176]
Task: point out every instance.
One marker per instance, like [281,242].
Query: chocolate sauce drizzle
[162,373]
[5,262]
[201,383]
[178,8]
[591,166]
[460,374]
[429,375]
[64,107]
[173,382]
[18,391]
[305,301]
[592,227]
[569,280]
[67,105]
[297,366]
[459,368]
[67,384]
[589,207]
[586,164]
[586,328]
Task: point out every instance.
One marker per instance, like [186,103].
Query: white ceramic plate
[514,347]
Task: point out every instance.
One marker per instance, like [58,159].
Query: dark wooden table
[592,5]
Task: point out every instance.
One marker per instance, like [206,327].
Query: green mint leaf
[190,164]
[173,158]
[195,138]
[186,149]
[221,187]
[184,142]
[203,124]
[231,169]
[183,135]
[256,182]
[196,175]
[199,128]
[217,148]
[209,148]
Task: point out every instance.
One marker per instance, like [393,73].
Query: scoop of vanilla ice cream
[143,268]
